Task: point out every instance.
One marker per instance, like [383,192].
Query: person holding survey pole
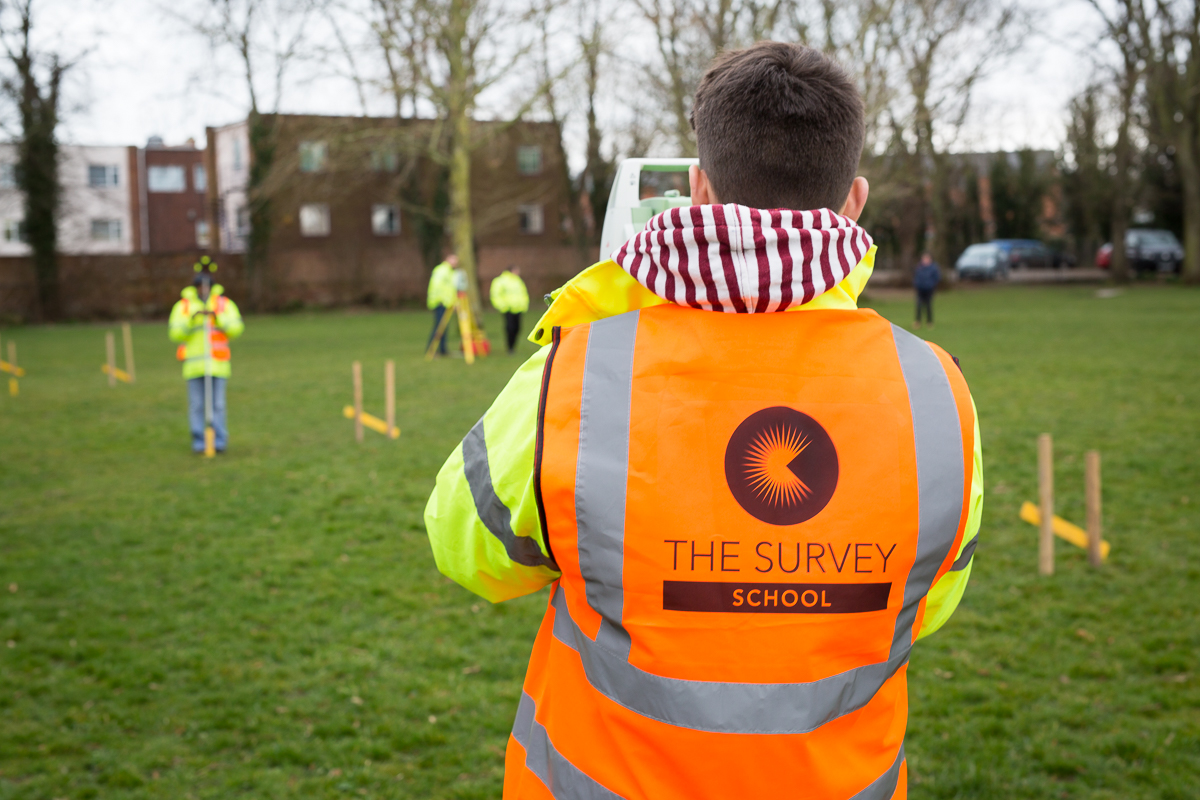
[748,496]
[205,321]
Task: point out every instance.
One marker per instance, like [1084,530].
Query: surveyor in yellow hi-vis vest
[749,497]
[205,321]
[441,297]
[510,297]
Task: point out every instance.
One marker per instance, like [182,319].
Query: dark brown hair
[778,126]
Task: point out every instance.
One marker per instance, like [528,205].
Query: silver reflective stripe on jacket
[495,515]
[564,780]
[725,707]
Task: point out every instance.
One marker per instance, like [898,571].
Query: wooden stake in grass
[14,388]
[127,333]
[111,349]
[358,424]
[389,391]
[1046,503]
[1091,477]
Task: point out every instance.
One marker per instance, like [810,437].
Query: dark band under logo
[775,598]
[781,466]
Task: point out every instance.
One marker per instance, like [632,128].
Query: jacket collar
[605,290]
[190,293]
[743,260]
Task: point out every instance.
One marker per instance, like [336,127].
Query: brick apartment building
[116,200]
[172,184]
[347,206]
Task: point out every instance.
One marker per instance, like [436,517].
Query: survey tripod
[210,444]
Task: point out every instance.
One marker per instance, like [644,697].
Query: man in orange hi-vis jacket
[749,497]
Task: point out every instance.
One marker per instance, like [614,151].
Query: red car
[1148,251]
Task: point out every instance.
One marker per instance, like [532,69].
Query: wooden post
[14,388]
[358,426]
[1091,476]
[111,348]
[127,333]
[1046,503]
[389,383]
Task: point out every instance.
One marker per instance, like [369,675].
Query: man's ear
[702,191]
[856,200]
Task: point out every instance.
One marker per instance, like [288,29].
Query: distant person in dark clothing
[925,281]
[510,297]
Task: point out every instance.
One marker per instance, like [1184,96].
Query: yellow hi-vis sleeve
[944,596]
[482,517]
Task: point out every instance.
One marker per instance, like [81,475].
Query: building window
[199,178]
[313,156]
[385,161]
[529,159]
[170,178]
[237,155]
[385,219]
[314,219]
[242,221]
[14,230]
[106,230]
[102,175]
[202,237]
[8,176]
[532,219]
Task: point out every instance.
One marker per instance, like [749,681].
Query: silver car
[983,261]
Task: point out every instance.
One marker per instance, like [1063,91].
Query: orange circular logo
[781,466]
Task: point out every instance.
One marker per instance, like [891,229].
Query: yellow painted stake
[1062,529]
[356,369]
[110,350]
[1046,504]
[121,374]
[373,422]
[466,329]
[127,334]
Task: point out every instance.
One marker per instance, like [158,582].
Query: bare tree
[689,34]
[267,38]
[1172,38]
[944,48]
[34,87]
[1121,24]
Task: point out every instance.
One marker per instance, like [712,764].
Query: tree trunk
[262,156]
[462,227]
[1186,158]
[1119,263]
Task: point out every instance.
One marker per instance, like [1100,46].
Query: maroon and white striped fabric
[743,260]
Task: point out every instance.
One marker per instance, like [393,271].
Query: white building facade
[96,203]
[231,152]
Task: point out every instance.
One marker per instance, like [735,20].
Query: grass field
[270,624]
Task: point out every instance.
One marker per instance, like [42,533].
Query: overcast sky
[142,75]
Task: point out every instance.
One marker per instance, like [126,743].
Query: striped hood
[743,260]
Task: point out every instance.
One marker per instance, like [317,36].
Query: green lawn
[270,624]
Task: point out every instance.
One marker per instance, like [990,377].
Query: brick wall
[147,285]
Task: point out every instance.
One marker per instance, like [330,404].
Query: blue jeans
[196,413]
[438,312]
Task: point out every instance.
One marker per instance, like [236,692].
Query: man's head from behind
[780,126]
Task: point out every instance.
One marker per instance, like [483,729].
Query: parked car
[1027,254]
[1148,250]
[985,261]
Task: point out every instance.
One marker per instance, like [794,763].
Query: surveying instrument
[642,188]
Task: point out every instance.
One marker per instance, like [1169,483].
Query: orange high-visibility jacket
[747,525]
